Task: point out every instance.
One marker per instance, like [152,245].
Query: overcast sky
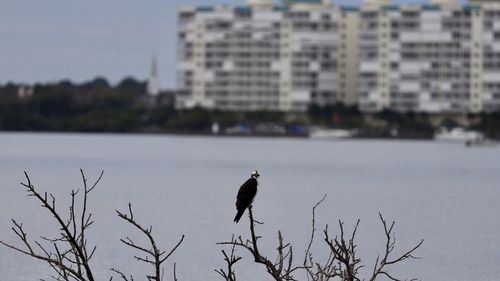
[48,40]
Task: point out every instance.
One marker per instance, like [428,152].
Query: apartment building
[436,58]
[264,56]
[485,81]
[442,57]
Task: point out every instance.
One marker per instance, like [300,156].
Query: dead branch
[69,254]
[315,271]
[122,275]
[153,256]
[231,260]
[342,262]
[282,268]
[344,253]
[381,263]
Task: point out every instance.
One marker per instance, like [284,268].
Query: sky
[52,40]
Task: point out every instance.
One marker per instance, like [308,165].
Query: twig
[231,260]
[282,269]
[70,255]
[381,263]
[153,256]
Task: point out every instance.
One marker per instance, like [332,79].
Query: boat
[239,130]
[325,133]
[458,135]
[481,143]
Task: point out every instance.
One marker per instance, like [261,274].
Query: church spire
[153,84]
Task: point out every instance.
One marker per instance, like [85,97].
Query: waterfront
[444,193]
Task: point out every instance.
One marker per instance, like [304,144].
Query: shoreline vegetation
[99,107]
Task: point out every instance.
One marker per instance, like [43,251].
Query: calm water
[445,193]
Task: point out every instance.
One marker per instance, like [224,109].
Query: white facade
[439,57]
[259,56]
[486,80]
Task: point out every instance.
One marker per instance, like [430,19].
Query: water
[445,193]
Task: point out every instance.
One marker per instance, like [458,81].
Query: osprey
[246,195]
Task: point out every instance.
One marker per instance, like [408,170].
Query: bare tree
[342,262]
[69,255]
[153,255]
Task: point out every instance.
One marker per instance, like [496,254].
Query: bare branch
[231,260]
[123,276]
[154,256]
[68,257]
[316,271]
[175,272]
[342,262]
[381,263]
[278,270]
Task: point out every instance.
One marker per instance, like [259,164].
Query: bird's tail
[238,215]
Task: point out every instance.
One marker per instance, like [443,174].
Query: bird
[246,194]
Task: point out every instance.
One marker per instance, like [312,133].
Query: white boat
[322,133]
[458,135]
[481,143]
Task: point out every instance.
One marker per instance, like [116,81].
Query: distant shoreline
[184,134]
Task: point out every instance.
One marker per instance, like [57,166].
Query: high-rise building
[263,56]
[348,55]
[429,57]
[485,78]
[437,57]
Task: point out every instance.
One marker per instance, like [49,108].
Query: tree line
[98,106]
